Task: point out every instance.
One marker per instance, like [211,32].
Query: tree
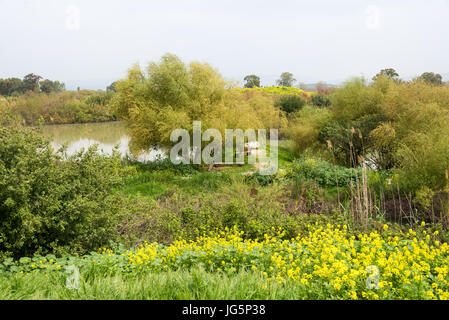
[30,82]
[389,73]
[286,80]
[432,78]
[48,86]
[252,81]
[9,86]
[171,95]
[111,87]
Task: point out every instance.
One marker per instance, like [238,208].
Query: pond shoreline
[68,123]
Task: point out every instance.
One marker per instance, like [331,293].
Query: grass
[171,285]
[157,183]
[285,155]
[154,181]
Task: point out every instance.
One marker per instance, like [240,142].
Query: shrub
[304,130]
[262,180]
[323,173]
[161,164]
[291,103]
[320,100]
[48,204]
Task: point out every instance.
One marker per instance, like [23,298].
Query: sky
[92,43]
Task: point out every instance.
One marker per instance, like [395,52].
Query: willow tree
[171,95]
[166,96]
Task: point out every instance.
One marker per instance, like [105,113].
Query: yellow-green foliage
[395,125]
[4,107]
[61,107]
[251,109]
[171,95]
[305,128]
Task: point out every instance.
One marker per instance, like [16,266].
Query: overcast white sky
[92,43]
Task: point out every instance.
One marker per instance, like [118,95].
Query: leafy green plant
[290,103]
[48,204]
[323,173]
[320,100]
[262,180]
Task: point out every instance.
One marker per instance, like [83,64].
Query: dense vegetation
[51,205]
[359,208]
[60,107]
[399,129]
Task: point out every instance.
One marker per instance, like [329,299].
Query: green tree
[48,86]
[30,82]
[170,95]
[9,86]
[111,87]
[286,80]
[432,78]
[389,73]
[252,81]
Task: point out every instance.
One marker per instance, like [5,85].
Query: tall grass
[173,285]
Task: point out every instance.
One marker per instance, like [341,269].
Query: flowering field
[327,263]
[276,90]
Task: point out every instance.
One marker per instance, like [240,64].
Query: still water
[107,135]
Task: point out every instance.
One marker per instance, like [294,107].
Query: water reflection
[107,135]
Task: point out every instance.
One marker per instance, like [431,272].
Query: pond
[106,134]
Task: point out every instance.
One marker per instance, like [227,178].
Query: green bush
[290,104]
[320,100]
[52,205]
[262,180]
[322,173]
